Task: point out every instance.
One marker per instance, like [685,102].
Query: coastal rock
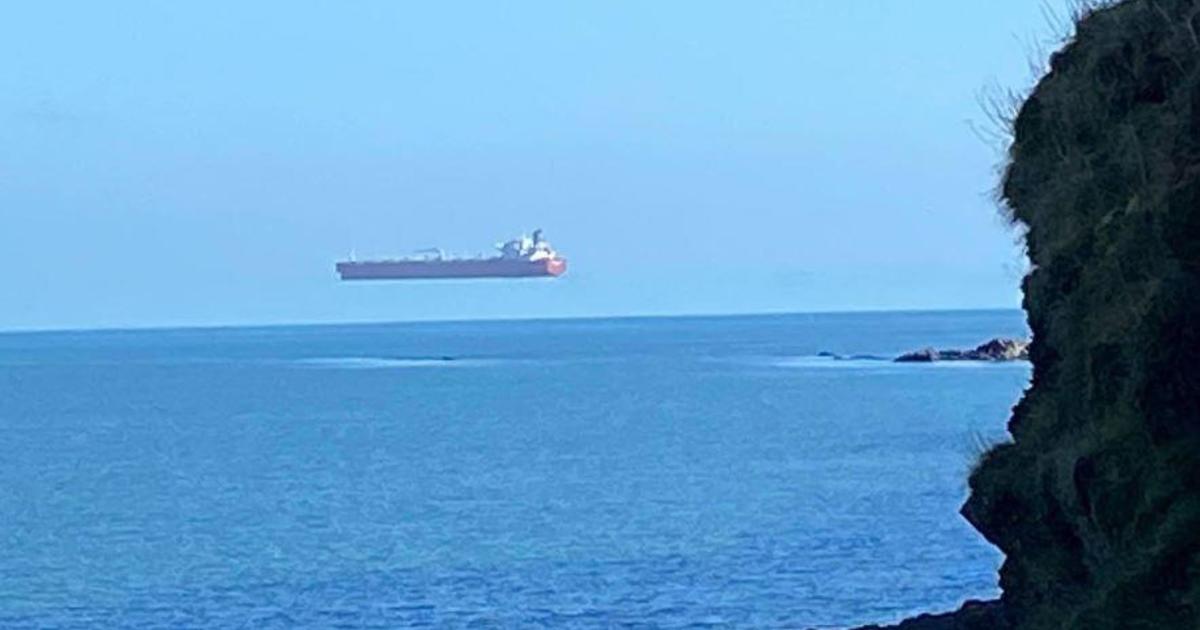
[1003,350]
[926,355]
[1095,500]
[994,350]
[850,357]
[974,615]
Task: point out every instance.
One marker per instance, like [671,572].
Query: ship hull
[448,269]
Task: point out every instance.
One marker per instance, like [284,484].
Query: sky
[179,164]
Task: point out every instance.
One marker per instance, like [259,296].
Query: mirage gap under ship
[524,257]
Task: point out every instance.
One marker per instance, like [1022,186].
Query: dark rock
[927,355]
[1002,350]
[994,350]
[851,357]
[866,357]
[974,615]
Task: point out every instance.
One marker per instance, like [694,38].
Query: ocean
[658,473]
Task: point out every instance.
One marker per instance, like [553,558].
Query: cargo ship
[524,257]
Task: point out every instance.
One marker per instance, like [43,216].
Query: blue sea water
[676,472]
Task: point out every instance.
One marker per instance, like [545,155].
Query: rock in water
[1002,350]
[926,355]
[994,350]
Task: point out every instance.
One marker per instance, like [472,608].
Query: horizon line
[497,320]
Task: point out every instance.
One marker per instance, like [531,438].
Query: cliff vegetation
[1095,501]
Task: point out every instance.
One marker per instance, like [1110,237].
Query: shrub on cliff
[1096,501]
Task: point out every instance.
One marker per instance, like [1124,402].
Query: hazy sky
[171,163]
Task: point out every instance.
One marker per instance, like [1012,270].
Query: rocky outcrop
[994,350]
[972,616]
[850,357]
[1095,501]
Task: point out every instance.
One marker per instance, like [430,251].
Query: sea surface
[657,473]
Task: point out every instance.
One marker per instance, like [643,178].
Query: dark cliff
[1096,499]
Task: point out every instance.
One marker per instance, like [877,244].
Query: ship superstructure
[523,257]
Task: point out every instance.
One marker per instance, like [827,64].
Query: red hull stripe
[414,269]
